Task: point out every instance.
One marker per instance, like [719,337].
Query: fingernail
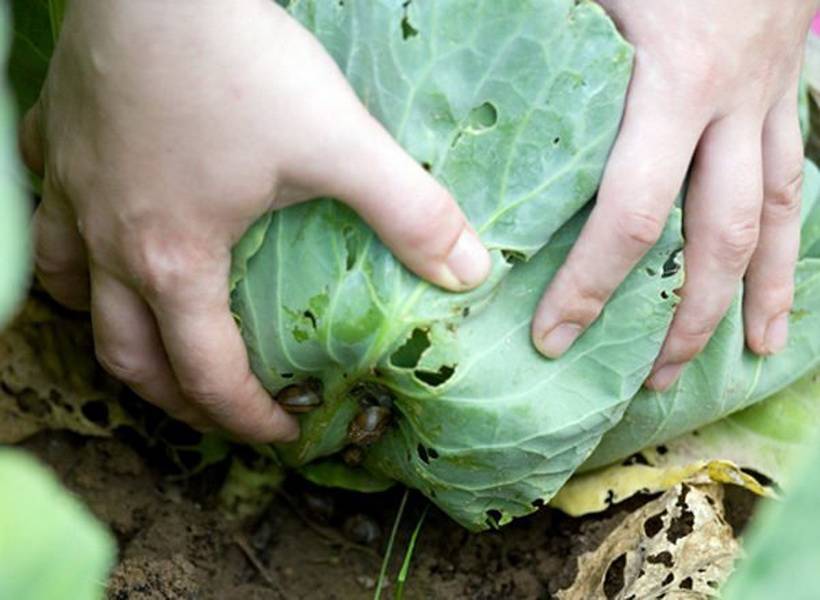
[559,339]
[777,334]
[469,261]
[664,377]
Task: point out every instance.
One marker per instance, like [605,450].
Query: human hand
[715,85]
[164,130]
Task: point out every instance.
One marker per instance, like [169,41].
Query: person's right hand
[165,128]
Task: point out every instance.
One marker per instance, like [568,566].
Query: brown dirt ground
[312,542]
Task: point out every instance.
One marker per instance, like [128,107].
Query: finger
[30,141]
[769,280]
[721,222]
[190,300]
[60,256]
[413,214]
[128,346]
[642,178]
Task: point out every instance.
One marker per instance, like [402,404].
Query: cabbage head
[513,105]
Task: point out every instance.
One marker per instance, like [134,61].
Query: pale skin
[180,122]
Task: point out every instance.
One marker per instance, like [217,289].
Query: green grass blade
[389,550]
[408,556]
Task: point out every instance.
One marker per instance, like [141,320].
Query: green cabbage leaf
[514,107]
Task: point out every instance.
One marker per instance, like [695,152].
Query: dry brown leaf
[49,378]
[678,546]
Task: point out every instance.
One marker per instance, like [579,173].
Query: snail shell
[368,426]
[297,399]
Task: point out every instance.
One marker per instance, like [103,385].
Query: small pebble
[362,529]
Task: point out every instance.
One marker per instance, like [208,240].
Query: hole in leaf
[351,248]
[671,266]
[409,354]
[662,449]
[538,503]
[635,459]
[426,166]
[286,375]
[650,271]
[466,312]
[189,459]
[96,411]
[433,453]
[668,579]
[407,29]
[310,317]
[435,378]
[684,523]
[481,118]
[614,580]
[653,525]
[512,257]
[179,434]
[664,294]
[661,558]
[687,584]
[494,517]
[556,140]
[422,452]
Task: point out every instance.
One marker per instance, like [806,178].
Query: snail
[368,426]
[299,398]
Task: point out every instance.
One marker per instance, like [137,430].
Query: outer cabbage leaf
[726,377]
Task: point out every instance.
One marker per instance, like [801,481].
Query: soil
[311,542]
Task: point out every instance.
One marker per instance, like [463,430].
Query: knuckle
[640,228]
[122,363]
[217,396]
[164,265]
[782,201]
[701,77]
[437,227]
[51,266]
[585,300]
[736,243]
[210,398]
[691,338]
[775,297]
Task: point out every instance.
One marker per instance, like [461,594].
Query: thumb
[30,140]
[411,212]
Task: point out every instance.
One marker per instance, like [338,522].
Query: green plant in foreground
[51,548]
